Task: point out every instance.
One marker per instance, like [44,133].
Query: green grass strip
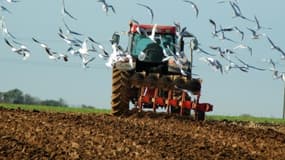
[247,118]
[54,108]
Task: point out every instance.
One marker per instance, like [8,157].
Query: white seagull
[243,46]
[106,6]
[104,54]
[222,52]
[233,65]
[213,63]
[5,29]
[22,50]
[237,11]
[273,46]
[84,50]
[51,54]
[276,74]
[69,41]
[86,60]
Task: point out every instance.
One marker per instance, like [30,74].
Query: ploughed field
[43,135]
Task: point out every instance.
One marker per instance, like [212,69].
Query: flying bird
[51,54]
[233,65]
[104,54]
[4,9]
[106,6]
[214,33]
[276,74]
[214,63]
[194,6]
[237,11]
[86,61]
[255,35]
[5,29]
[65,12]
[258,26]
[70,31]
[222,52]
[149,9]
[223,37]
[71,42]
[273,46]
[84,50]
[22,50]
[243,46]
[246,65]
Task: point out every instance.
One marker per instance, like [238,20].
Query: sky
[234,93]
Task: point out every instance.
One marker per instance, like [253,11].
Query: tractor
[155,80]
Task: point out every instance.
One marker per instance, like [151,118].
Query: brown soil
[41,135]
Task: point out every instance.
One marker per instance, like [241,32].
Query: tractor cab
[149,48]
[154,48]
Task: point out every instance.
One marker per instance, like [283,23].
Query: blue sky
[233,93]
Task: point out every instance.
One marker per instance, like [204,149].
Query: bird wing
[153,32]
[113,9]
[203,51]
[213,23]
[194,6]
[3,8]
[236,13]
[253,31]
[71,31]
[65,12]
[150,10]
[215,47]
[8,43]
[257,22]
[41,44]
[92,40]
[271,42]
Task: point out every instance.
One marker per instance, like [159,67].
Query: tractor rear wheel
[120,95]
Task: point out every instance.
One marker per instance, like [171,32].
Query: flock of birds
[76,46]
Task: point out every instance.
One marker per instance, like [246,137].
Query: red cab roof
[148,28]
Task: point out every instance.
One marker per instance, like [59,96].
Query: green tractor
[157,77]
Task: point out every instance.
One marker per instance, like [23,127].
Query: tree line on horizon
[16,96]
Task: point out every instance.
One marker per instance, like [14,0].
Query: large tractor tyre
[199,115]
[120,92]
